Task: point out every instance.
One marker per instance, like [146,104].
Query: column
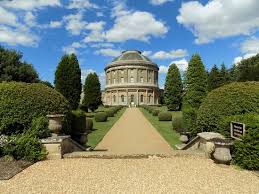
[127,97]
[146,97]
[118,100]
[147,75]
[153,97]
[137,98]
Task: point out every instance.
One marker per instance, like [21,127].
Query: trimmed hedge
[78,122]
[101,117]
[21,102]
[110,112]
[232,99]
[155,112]
[177,122]
[165,116]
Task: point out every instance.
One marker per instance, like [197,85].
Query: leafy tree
[224,75]
[12,68]
[68,79]
[92,92]
[196,90]
[248,69]
[173,89]
[233,73]
[213,78]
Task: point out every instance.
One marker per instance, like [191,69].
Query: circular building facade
[131,79]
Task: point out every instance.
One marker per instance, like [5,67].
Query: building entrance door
[132,100]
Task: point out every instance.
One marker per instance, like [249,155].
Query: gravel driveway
[187,174]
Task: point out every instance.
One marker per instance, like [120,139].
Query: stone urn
[55,123]
[222,150]
[184,137]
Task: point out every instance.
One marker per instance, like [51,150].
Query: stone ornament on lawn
[183,138]
[55,123]
[209,149]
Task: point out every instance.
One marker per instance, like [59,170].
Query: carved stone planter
[222,150]
[184,138]
[55,123]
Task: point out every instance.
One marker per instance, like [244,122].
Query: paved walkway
[155,175]
[134,134]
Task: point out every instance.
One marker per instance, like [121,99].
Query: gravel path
[155,175]
[133,134]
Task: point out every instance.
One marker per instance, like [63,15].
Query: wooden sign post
[237,130]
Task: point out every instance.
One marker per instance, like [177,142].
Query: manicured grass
[165,128]
[101,128]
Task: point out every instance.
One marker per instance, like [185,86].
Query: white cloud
[219,18]
[250,46]
[134,26]
[179,53]
[108,52]
[30,19]
[73,48]
[14,37]
[147,53]
[55,24]
[75,23]
[85,73]
[159,2]
[96,32]
[181,64]
[102,45]
[7,17]
[246,56]
[81,4]
[29,4]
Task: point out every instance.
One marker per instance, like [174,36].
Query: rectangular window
[114,81]
[141,79]
[122,79]
[131,80]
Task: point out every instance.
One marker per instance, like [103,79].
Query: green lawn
[101,128]
[164,127]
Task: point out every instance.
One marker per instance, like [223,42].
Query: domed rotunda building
[131,79]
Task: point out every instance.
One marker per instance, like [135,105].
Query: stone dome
[131,57]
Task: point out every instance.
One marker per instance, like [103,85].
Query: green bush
[21,102]
[246,152]
[110,112]
[232,99]
[78,122]
[101,117]
[89,124]
[39,127]
[177,122]
[26,147]
[165,116]
[155,112]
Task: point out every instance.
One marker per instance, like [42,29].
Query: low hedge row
[108,112]
[165,116]
[155,111]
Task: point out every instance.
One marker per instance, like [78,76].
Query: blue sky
[167,31]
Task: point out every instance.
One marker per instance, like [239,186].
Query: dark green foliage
[196,85]
[233,73]
[177,122]
[214,78]
[89,124]
[173,89]
[39,127]
[92,92]
[155,112]
[13,69]
[25,146]
[110,112]
[83,107]
[246,152]
[161,97]
[47,84]
[21,102]
[78,122]
[248,69]
[68,79]
[165,116]
[101,117]
[233,99]
[224,75]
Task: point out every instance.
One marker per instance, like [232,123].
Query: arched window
[114,98]
[141,79]
[122,79]
[149,79]
[142,98]
[114,81]
[122,98]
[132,80]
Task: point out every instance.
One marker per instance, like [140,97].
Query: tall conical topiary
[214,78]
[173,89]
[92,92]
[68,79]
[196,90]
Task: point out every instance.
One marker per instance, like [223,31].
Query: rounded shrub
[21,102]
[233,99]
[110,112]
[78,121]
[155,112]
[165,116]
[89,124]
[40,127]
[177,122]
[101,117]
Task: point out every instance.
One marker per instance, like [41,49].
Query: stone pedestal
[57,146]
